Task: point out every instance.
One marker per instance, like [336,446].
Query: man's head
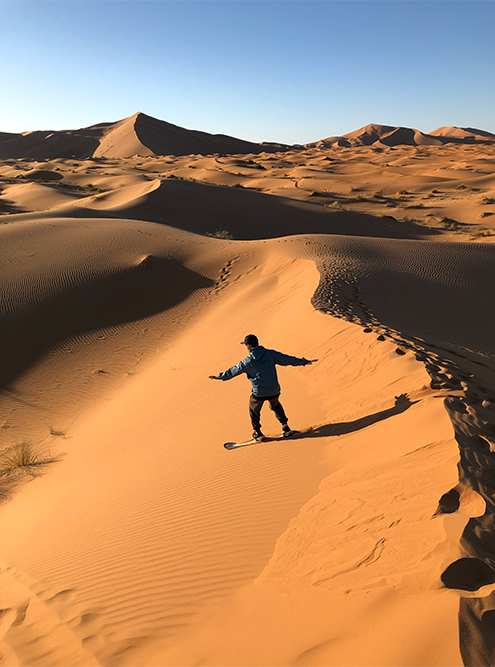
[250,341]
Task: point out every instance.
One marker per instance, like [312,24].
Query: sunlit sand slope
[148,542]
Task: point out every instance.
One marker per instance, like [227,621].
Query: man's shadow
[402,403]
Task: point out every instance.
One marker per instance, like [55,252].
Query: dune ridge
[143,135]
[466,134]
[380,135]
[138,134]
[388,135]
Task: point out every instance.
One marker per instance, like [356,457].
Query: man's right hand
[311,361]
[213,377]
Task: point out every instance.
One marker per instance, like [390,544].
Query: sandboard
[294,436]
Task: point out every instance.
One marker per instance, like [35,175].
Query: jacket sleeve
[286,360]
[235,370]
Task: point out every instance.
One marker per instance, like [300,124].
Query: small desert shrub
[335,204]
[23,458]
[487,201]
[481,231]
[255,165]
[92,189]
[238,185]
[403,192]
[450,225]
[220,234]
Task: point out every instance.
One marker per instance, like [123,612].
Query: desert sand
[129,275]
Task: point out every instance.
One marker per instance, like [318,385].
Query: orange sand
[145,542]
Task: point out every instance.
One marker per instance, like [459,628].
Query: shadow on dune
[127,295]
[164,138]
[475,434]
[402,403]
[439,294]
[477,630]
[247,214]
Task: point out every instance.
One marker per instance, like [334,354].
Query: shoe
[286,431]
[258,436]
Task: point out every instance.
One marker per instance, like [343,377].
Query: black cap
[250,339]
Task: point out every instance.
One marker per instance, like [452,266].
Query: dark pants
[255,405]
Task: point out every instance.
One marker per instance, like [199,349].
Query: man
[259,366]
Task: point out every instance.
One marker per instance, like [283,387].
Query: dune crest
[463,134]
[376,135]
[143,135]
[138,134]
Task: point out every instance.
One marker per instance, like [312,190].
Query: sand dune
[205,208]
[142,135]
[463,134]
[137,135]
[42,145]
[388,135]
[142,540]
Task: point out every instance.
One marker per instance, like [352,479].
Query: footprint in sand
[463,500]
[468,574]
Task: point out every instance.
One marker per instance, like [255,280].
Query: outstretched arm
[286,360]
[231,372]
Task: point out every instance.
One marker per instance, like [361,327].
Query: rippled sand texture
[140,540]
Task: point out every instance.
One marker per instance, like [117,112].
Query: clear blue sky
[270,70]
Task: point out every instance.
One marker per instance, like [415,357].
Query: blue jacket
[259,366]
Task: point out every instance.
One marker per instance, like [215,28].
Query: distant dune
[137,135]
[463,135]
[143,135]
[147,136]
[388,135]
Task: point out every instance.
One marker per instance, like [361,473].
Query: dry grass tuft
[220,234]
[480,232]
[24,458]
[450,224]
